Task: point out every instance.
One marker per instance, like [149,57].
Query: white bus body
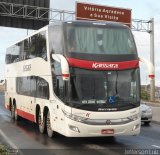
[30,90]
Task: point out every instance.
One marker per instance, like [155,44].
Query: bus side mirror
[64,65]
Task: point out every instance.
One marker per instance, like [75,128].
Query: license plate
[107,131]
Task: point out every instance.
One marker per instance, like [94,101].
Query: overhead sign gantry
[27,14]
[85,11]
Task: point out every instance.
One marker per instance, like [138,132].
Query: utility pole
[148,26]
[152,77]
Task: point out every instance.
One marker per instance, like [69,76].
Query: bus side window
[26,49]
[42,88]
[54,83]
[59,88]
[58,83]
[12,54]
[32,46]
[56,40]
[41,46]
[23,86]
[33,86]
[20,50]
[56,73]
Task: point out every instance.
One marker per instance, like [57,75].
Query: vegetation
[144,95]
[3,150]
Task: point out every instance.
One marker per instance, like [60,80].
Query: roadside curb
[155,122]
[153,104]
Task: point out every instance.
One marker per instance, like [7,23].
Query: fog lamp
[74,128]
[135,127]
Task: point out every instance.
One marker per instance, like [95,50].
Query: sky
[143,9]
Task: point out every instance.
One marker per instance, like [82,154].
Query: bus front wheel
[48,124]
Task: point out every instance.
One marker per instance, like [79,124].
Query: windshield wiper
[134,104]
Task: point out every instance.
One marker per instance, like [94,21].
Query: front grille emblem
[108,122]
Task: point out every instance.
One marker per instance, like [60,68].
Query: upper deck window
[99,39]
[32,47]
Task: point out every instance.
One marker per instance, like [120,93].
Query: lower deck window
[32,86]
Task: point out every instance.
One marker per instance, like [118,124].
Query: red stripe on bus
[103,65]
[65,75]
[8,107]
[25,115]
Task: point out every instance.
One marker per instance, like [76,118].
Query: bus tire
[50,132]
[41,123]
[17,117]
[13,111]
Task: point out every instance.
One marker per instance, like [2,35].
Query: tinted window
[23,86]
[56,44]
[32,86]
[100,40]
[59,85]
[41,46]
[13,53]
[26,49]
[107,87]
[32,47]
[42,88]
[37,46]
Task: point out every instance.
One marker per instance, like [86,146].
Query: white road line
[94,146]
[8,140]
[156,146]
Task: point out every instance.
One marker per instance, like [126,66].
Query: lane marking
[94,146]
[8,140]
[156,146]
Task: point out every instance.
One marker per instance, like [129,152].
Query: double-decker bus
[77,78]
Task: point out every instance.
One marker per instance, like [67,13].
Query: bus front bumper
[77,129]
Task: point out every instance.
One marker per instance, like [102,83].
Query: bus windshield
[99,39]
[104,87]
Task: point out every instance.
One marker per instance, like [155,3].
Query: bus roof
[90,23]
[76,22]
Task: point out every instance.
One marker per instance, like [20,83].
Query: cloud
[69,4]
[152,7]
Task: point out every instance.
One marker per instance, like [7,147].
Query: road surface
[25,137]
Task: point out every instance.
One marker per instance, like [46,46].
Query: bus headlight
[74,117]
[134,117]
